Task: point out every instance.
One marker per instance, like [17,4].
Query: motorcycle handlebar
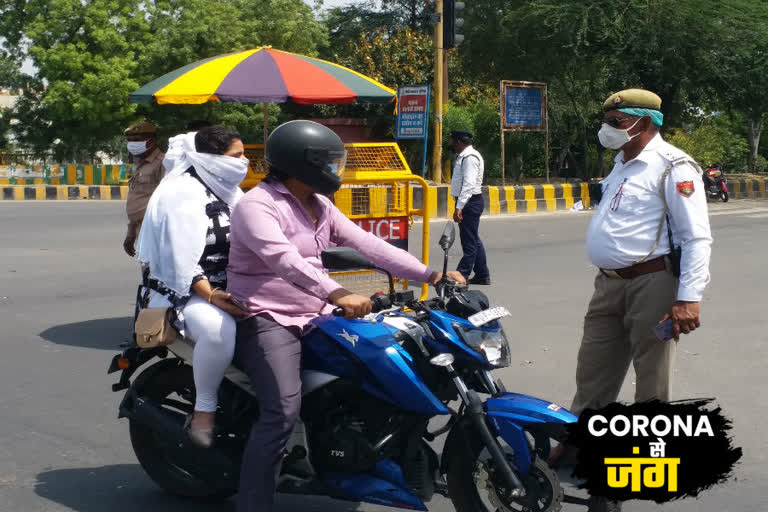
[379,302]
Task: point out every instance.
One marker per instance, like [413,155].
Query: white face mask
[137,148]
[613,138]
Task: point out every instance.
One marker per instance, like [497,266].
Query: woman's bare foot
[200,428]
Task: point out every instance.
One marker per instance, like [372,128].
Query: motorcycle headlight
[492,343]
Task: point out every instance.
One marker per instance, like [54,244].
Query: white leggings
[213,332]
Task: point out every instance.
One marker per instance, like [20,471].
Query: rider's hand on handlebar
[354,306]
[453,274]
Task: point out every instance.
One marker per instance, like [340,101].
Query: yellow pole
[437,150]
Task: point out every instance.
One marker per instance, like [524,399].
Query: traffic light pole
[437,149]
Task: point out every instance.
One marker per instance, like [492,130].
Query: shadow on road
[126,487]
[101,333]
[109,488]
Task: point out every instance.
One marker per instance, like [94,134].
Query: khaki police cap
[632,98]
[140,128]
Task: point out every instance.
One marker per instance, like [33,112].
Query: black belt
[637,270]
[475,196]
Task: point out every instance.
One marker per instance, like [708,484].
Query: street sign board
[412,112]
[524,105]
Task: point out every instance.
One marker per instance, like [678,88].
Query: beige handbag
[154,327]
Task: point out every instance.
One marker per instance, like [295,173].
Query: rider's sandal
[202,437]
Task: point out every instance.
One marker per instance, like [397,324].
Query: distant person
[466,189]
[147,162]
[175,144]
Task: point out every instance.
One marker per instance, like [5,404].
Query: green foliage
[712,140]
[691,52]
[761,164]
[91,55]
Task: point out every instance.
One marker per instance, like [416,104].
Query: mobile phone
[239,305]
[664,331]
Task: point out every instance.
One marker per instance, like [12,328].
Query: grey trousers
[271,356]
[618,329]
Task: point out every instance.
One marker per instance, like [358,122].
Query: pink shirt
[274,257]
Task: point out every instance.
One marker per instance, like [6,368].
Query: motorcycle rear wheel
[473,486]
[160,383]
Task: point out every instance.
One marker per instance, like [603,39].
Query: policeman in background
[147,173]
[466,189]
[650,240]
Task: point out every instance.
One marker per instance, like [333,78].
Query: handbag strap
[153,284]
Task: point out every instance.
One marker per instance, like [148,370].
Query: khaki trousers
[618,328]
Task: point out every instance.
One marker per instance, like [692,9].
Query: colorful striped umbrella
[263,75]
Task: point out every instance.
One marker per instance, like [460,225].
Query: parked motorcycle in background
[715,183]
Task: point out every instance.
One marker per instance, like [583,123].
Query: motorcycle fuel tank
[368,353]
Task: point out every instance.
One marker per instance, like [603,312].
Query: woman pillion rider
[184,249]
[279,230]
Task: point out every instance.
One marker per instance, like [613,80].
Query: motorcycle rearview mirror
[448,236]
[344,258]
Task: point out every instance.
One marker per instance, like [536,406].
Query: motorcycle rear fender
[512,414]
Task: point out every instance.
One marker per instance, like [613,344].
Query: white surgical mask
[613,138]
[137,148]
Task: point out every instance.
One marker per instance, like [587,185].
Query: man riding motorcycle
[278,232]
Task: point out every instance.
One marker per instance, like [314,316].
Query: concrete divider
[62,192]
[545,198]
[513,200]
[498,200]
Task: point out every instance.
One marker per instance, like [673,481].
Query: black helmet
[309,152]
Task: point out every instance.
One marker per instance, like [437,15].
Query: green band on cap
[656,116]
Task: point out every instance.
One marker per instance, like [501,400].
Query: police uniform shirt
[147,173]
[467,179]
[624,226]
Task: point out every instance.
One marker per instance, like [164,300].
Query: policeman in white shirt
[650,238]
[466,189]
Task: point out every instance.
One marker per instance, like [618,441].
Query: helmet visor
[337,162]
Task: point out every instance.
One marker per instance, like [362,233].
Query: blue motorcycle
[373,390]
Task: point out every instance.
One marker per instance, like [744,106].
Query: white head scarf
[172,237]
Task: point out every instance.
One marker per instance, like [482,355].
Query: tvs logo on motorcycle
[653,451]
[351,338]
[685,188]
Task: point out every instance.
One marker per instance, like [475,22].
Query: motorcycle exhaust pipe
[210,465]
[150,415]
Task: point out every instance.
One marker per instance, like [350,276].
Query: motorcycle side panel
[368,353]
[385,485]
[511,413]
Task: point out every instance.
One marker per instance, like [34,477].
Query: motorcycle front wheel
[475,486]
[724,196]
[172,386]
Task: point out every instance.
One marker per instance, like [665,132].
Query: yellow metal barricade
[377,194]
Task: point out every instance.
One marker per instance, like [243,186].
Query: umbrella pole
[266,123]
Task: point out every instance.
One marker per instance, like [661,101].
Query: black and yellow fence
[513,200]
[62,192]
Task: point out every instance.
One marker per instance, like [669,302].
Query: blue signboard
[523,107]
[412,112]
